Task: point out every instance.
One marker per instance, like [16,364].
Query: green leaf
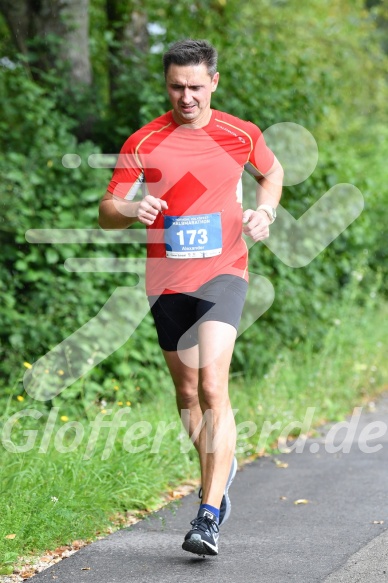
[51,256]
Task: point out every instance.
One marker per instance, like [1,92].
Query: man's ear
[215,80]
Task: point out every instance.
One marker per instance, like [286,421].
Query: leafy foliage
[42,302]
[321,67]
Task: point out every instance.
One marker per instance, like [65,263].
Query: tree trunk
[128,24]
[16,15]
[52,32]
[75,45]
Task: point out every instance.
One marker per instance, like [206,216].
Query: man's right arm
[117,213]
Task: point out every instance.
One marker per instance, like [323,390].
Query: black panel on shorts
[220,299]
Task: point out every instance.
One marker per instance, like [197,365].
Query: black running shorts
[220,299]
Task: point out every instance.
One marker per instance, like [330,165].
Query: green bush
[321,77]
[42,303]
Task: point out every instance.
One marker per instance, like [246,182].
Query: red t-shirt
[197,172]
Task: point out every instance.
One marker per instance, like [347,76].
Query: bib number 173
[191,235]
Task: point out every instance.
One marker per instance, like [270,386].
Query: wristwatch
[271,212]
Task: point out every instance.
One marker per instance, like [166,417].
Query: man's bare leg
[186,380]
[216,338]
[204,390]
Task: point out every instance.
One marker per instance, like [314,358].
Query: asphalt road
[339,536]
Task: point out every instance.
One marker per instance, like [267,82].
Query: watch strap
[271,212]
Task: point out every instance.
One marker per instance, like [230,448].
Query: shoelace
[205,523]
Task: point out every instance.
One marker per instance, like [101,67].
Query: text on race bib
[193,236]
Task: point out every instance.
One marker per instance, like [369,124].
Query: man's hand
[116,213]
[256,224]
[149,208]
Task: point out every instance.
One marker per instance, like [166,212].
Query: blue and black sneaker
[226,505]
[202,539]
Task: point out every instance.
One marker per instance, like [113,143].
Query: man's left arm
[269,190]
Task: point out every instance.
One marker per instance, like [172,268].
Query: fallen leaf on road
[85,569]
[176,494]
[280,464]
[27,574]
[378,522]
[60,550]
[283,497]
[301,501]
[78,544]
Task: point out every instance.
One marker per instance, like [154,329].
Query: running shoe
[226,505]
[202,539]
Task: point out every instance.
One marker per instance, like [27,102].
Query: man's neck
[195,124]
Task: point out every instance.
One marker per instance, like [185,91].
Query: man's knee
[187,394]
[213,393]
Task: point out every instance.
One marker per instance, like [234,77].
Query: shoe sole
[199,547]
[232,474]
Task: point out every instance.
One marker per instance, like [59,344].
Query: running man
[191,160]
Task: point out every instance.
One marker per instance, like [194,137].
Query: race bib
[193,236]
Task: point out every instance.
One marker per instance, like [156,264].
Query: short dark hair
[191,52]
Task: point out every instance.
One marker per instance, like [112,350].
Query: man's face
[189,89]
